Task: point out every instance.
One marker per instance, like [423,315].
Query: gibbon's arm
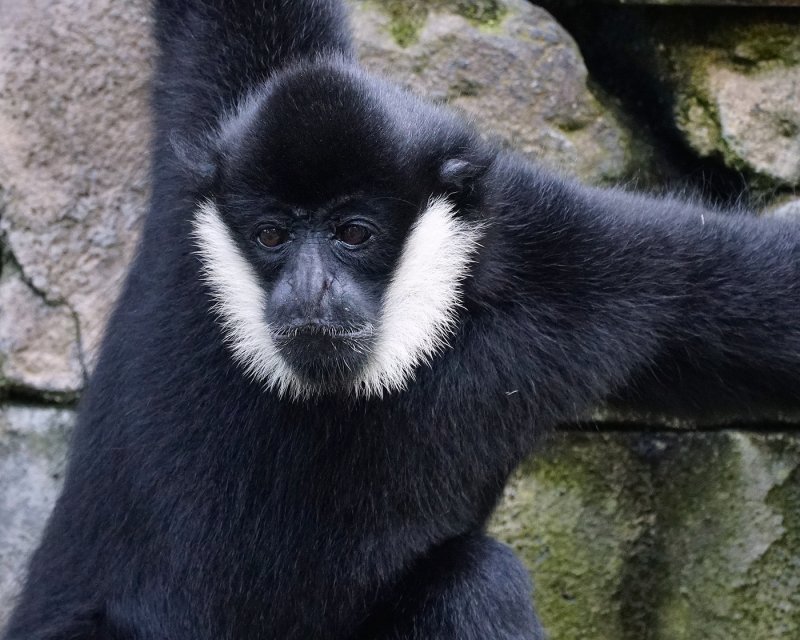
[654,301]
[733,344]
[214,52]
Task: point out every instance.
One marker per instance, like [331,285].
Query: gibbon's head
[340,226]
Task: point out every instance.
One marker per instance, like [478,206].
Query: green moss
[714,523]
[463,86]
[698,118]
[404,33]
[569,515]
[407,17]
[696,112]
[762,42]
[779,566]
[698,485]
[747,37]
[648,536]
[487,13]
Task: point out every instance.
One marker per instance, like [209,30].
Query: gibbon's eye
[271,237]
[353,234]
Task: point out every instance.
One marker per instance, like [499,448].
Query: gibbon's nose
[312,286]
[304,293]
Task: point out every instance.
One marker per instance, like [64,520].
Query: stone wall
[634,527]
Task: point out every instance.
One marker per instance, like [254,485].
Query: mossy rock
[662,536]
[504,57]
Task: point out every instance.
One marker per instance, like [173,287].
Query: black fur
[199,506]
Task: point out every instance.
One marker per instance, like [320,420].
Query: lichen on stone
[481,12]
[643,536]
[408,16]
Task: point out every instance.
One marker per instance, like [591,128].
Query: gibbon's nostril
[325,287]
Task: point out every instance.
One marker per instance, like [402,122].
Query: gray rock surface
[507,65]
[32,445]
[74,131]
[751,118]
[735,85]
[787,208]
[38,341]
[73,185]
[73,148]
[629,535]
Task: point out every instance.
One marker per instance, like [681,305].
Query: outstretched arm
[733,346]
[653,301]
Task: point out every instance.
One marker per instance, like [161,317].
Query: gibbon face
[331,248]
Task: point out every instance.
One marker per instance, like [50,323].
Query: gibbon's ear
[458,175]
[196,159]
[458,178]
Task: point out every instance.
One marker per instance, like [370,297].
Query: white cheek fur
[239,302]
[420,304]
[417,317]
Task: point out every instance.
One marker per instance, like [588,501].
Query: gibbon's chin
[325,356]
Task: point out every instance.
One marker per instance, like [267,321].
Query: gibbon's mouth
[315,330]
[325,353]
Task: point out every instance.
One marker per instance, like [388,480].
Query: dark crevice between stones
[14,393]
[617,44]
[639,591]
[669,425]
